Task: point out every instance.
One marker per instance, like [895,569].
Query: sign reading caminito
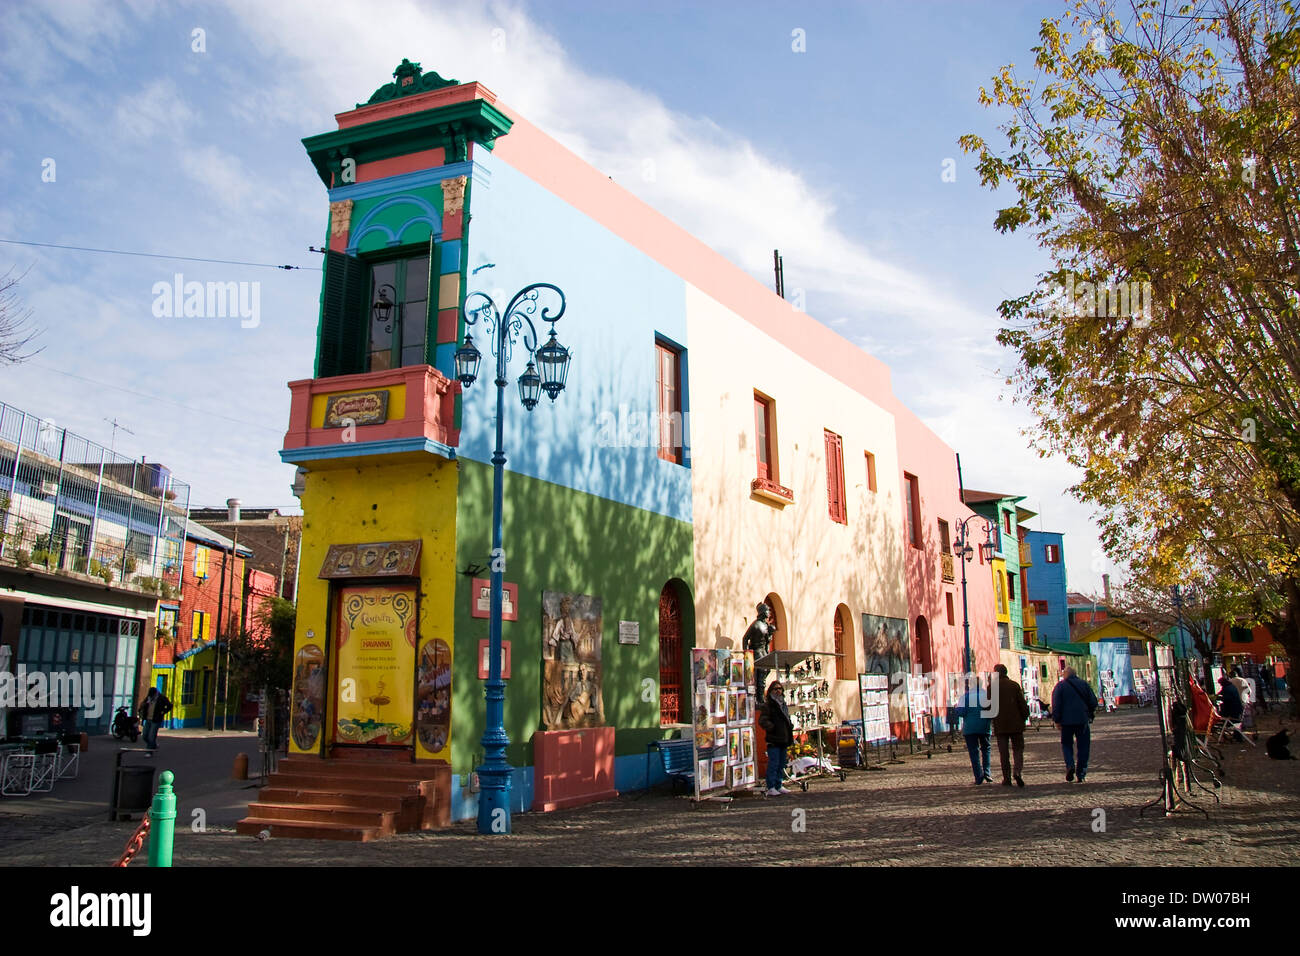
[359,408]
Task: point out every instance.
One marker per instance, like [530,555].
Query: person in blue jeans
[976,727]
[774,718]
[1073,705]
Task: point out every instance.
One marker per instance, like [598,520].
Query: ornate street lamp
[965,551]
[504,328]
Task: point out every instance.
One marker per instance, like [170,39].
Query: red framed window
[1040,607]
[1052,553]
[835,478]
[945,542]
[765,446]
[871,471]
[952,616]
[668,385]
[913,490]
[1006,519]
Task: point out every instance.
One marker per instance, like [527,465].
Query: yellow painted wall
[1001,605]
[380,502]
[746,548]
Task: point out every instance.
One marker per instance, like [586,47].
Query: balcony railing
[71,506]
[945,561]
[1026,554]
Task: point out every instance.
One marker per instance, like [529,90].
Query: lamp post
[965,551]
[552,359]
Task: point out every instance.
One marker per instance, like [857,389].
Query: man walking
[153,709]
[1073,704]
[975,728]
[1009,725]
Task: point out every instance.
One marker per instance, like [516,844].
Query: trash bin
[132,788]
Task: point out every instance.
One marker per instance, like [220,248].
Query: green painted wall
[557,539]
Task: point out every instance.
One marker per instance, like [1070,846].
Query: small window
[1052,553]
[1241,635]
[187,687]
[200,562]
[1040,607]
[945,544]
[1006,518]
[764,437]
[1004,635]
[1011,586]
[871,471]
[952,617]
[835,478]
[397,334]
[913,489]
[668,387]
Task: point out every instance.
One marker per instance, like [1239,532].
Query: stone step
[385,820]
[339,798]
[363,769]
[314,781]
[281,829]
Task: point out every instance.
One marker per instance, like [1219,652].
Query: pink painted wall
[922,453]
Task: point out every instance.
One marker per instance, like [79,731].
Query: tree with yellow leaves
[1155,155]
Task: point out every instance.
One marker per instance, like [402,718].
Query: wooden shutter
[761,434]
[835,477]
[341,342]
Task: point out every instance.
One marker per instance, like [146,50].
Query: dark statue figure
[759,640]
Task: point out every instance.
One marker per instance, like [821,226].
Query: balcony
[350,417]
[1029,617]
[945,561]
[1026,554]
[771,491]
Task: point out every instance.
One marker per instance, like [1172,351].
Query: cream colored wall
[746,548]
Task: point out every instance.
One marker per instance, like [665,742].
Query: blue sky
[833,154]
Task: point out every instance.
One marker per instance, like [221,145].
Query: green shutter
[431,306]
[342,342]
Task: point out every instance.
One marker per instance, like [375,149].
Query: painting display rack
[723,707]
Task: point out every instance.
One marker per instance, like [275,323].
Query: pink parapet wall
[554,167]
[572,767]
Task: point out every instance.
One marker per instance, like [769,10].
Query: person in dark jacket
[1073,704]
[1009,725]
[776,723]
[153,710]
[1230,705]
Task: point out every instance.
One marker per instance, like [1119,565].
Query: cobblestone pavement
[924,812]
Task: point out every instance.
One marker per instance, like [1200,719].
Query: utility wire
[155,255]
[155,398]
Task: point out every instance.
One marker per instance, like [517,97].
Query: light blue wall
[629,775]
[618,299]
[1047,583]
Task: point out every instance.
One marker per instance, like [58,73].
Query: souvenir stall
[806,676]
[723,722]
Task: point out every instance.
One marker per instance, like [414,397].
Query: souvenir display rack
[722,717]
[807,677]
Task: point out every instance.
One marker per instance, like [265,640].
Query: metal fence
[71,506]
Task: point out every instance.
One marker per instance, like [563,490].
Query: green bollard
[162,822]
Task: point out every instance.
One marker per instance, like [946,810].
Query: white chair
[69,761]
[45,770]
[1235,726]
[16,774]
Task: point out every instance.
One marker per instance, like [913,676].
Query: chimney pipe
[232,509]
[1105,583]
[778,266]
